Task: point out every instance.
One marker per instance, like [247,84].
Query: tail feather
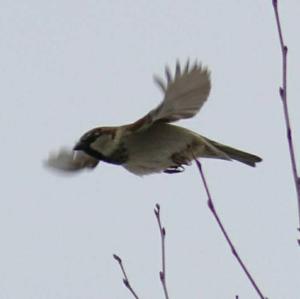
[236,154]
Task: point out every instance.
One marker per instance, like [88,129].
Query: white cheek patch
[104,145]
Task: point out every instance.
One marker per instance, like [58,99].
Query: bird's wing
[68,160]
[184,95]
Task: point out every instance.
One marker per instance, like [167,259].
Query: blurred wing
[68,160]
[184,95]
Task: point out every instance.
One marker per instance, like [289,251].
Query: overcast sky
[68,66]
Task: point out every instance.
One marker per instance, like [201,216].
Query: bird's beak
[79,146]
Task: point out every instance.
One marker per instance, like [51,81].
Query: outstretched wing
[70,161]
[184,95]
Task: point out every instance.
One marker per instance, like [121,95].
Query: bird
[153,144]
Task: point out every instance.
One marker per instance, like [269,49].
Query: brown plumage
[152,144]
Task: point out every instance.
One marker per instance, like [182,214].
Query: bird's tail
[236,154]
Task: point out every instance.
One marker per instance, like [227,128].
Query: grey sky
[67,66]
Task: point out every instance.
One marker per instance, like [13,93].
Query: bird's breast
[153,150]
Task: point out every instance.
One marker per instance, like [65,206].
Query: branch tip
[125,278]
[224,232]
[283,95]
[162,273]
[117,258]
[157,210]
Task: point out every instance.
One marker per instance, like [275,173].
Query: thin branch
[221,226]
[283,96]
[125,279]
[162,274]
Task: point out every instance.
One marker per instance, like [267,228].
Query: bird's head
[97,142]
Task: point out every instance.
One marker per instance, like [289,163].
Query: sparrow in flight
[153,144]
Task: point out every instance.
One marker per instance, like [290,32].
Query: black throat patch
[118,157]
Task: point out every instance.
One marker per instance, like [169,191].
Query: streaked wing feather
[178,70]
[186,70]
[168,75]
[184,95]
[160,83]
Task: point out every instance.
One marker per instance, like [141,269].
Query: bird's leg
[180,159]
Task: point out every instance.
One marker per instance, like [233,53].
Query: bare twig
[125,279]
[162,274]
[221,226]
[283,96]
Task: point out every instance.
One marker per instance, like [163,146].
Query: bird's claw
[174,169]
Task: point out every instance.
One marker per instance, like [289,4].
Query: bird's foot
[174,169]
